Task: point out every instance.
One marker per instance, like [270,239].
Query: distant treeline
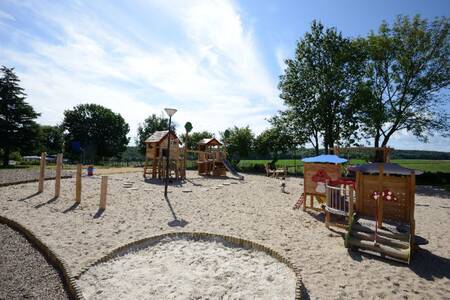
[132,154]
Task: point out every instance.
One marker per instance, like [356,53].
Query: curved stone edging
[32,180]
[69,283]
[300,290]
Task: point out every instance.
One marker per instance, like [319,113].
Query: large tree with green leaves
[195,137]
[51,139]
[100,132]
[409,63]
[17,125]
[319,85]
[151,124]
[239,142]
[273,142]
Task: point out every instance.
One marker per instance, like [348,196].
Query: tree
[273,142]
[239,142]
[51,139]
[188,127]
[408,65]
[151,124]
[17,125]
[319,85]
[100,132]
[196,137]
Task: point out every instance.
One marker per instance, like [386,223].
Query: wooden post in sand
[78,184]
[103,190]
[42,173]
[59,159]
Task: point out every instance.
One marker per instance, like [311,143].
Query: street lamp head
[170,111]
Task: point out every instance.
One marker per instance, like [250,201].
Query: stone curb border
[300,290]
[32,180]
[69,283]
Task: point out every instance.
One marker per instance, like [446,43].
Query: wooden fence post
[103,190]
[42,173]
[59,159]
[78,184]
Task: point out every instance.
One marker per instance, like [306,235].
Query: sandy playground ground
[252,209]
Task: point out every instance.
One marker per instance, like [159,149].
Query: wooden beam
[78,184]
[103,191]
[380,199]
[42,173]
[59,159]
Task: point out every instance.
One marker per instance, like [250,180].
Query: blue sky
[217,62]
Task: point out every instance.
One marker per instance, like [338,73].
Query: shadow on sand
[175,222]
[432,191]
[29,197]
[74,206]
[45,203]
[424,263]
[99,213]
[161,182]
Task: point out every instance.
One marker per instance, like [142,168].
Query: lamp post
[170,112]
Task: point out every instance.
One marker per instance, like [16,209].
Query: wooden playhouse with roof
[377,201]
[384,219]
[156,155]
[211,158]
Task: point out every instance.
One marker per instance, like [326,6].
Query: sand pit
[180,268]
[253,209]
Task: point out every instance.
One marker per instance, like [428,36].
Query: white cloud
[6,16]
[214,75]
[281,56]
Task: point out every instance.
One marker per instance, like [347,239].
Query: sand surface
[252,209]
[188,269]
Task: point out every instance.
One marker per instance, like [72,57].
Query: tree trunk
[6,156]
[316,145]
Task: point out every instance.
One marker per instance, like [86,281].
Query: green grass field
[296,166]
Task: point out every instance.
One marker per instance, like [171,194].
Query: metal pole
[168,157]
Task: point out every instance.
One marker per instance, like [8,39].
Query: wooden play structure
[340,200]
[156,156]
[386,151]
[384,211]
[210,158]
[317,171]
[375,203]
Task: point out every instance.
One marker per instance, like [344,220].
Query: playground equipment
[156,155]
[378,202]
[384,213]
[340,199]
[212,159]
[317,171]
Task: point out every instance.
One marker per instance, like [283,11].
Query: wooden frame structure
[156,155]
[387,151]
[379,202]
[375,225]
[340,201]
[315,177]
[211,158]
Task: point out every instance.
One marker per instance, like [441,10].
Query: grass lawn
[423,165]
